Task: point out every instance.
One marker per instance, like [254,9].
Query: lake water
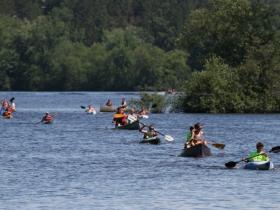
[81,162]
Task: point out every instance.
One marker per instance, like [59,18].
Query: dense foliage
[235,44]
[223,54]
[92,44]
[153,102]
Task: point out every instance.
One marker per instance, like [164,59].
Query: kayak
[132,126]
[199,150]
[107,109]
[153,140]
[48,122]
[8,117]
[259,165]
[93,112]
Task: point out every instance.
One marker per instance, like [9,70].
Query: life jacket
[7,113]
[119,116]
[257,158]
[120,119]
[10,109]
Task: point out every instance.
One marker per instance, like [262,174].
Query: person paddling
[197,135]
[189,137]
[259,154]
[123,103]
[90,109]
[132,116]
[143,111]
[109,103]
[47,118]
[149,133]
[120,118]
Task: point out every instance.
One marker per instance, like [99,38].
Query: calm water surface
[81,162]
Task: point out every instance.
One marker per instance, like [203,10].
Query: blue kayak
[259,165]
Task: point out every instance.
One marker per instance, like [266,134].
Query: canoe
[153,140]
[107,109]
[132,126]
[199,150]
[259,165]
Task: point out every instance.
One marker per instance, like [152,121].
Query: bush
[155,103]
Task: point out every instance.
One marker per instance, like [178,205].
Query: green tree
[213,90]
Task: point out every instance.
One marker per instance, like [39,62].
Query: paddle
[166,137]
[232,164]
[217,145]
[12,99]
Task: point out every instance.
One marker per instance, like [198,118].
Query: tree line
[222,54]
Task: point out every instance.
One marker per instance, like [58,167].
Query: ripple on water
[82,162]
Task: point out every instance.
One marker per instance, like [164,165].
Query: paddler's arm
[141,129]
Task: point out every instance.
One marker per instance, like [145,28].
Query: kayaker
[132,116]
[5,104]
[189,137]
[259,154]
[47,118]
[149,133]
[90,109]
[143,111]
[123,103]
[120,118]
[109,103]
[197,135]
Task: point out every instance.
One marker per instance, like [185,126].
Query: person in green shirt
[259,154]
[189,137]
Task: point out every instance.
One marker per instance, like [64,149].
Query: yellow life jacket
[257,158]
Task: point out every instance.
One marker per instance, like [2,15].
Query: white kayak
[92,112]
[259,165]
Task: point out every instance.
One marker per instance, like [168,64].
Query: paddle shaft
[154,130]
[167,137]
